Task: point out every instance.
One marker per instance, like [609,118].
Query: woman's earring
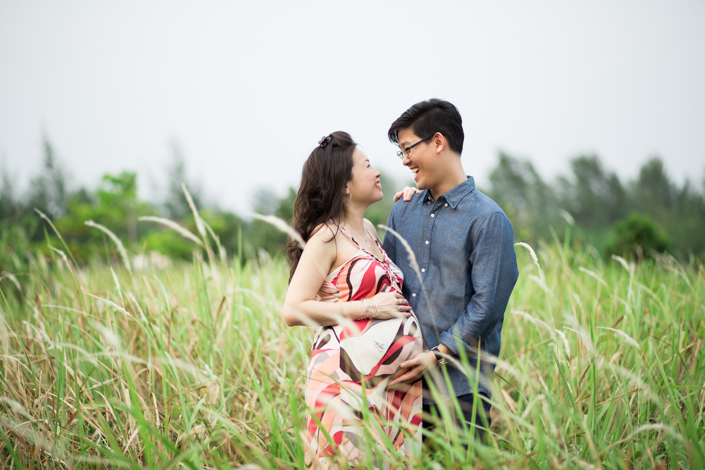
[350,199]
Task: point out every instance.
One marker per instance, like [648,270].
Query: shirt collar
[455,195]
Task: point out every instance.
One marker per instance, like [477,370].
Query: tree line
[647,215]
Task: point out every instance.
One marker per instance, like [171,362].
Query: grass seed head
[281,225]
[174,226]
[532,319]
[629,267]
[566,215]
[15,407]
[566,345]
[594,275]
[534,258]
[625,337]
[196,217]
[116,240]
[109,336]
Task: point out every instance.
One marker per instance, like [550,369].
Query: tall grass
[602,366]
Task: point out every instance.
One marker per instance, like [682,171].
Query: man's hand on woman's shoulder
[407,193]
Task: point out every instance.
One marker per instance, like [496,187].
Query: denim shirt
[464,247]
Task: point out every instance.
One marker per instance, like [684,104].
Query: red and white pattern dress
[345,356]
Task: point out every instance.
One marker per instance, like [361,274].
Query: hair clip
[325,141]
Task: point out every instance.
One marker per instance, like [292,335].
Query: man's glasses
[405,152]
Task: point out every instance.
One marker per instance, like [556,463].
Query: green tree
[20,226]
[175,205]
[49,189]
[14,239]
[680,210]
[263,235]
[530,204]
[113,205]
[637,236]
[653,192]
[118,198]
[686,221]
[10,207]
[596,198]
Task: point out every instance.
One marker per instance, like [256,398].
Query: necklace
[363,236]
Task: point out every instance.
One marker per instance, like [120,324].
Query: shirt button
[433,215]
[423,270]
[427,242]
[446,204]
[414,294]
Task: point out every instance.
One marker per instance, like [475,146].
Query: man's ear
[439,140]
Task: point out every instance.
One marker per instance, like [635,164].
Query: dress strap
[379,245]
[346,233]
[375,239]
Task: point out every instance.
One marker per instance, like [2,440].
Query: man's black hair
[428,117]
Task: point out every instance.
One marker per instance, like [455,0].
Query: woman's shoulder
[318,245]
[323,233]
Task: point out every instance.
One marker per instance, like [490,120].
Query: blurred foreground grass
[190,366]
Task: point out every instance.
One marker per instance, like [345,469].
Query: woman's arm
[302,308]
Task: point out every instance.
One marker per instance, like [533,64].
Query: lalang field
[136,335]
[188,365]
[140,323]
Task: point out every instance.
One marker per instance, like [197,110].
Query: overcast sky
[248,88]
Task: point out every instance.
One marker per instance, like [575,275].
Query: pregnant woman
[344,284]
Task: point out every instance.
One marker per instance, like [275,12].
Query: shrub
[636,236]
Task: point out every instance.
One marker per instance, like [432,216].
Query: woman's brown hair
[320,196]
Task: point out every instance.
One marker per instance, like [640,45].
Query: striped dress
[351,367]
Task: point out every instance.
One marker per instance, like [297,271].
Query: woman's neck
[354,217]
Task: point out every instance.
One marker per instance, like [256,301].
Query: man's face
[420,159]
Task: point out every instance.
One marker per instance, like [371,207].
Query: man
[464,248]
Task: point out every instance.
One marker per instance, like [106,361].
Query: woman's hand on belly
[390,305]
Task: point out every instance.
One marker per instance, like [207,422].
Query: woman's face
[365,186]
